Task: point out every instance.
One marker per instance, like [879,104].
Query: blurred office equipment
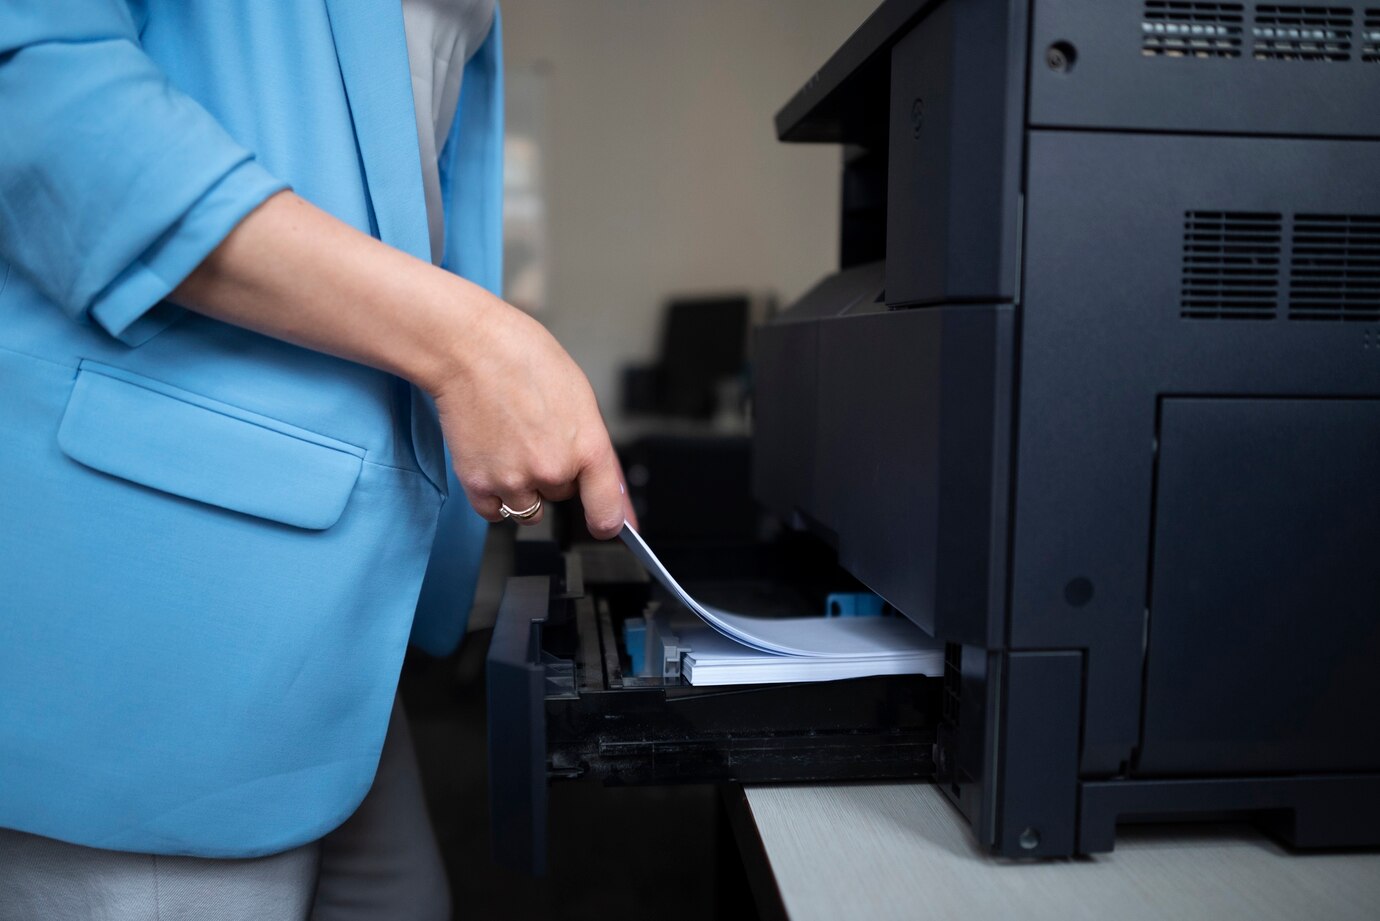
[686,450]
[702,361]
[694,488]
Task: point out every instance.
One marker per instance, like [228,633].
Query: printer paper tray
[559,707]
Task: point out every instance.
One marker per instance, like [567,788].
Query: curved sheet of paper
[815,637]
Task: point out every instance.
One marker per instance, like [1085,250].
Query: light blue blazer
[211,542]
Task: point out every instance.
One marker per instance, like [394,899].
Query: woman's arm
[518,414]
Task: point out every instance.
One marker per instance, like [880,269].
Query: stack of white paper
[745,649]
[715,659]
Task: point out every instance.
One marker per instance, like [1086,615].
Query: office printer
[1094,399]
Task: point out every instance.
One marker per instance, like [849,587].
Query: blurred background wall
[658,171]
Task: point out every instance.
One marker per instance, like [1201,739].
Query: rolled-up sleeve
[113,184]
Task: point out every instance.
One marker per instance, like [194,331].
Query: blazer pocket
[177,442]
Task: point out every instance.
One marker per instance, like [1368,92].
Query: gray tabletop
[883,851]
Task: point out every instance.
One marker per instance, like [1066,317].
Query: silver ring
[524,515]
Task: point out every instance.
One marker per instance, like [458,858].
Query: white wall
[663,172]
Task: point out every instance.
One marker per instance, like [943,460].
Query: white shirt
[442,35]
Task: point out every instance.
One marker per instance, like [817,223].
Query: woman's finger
[558,493]
[487,506]
[601,494]
[629,513]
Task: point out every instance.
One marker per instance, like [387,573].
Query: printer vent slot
[1230,265]
[1370,38]
[1301,33]
[1190,29]
[1334,267]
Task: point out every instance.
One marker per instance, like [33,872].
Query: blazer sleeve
[113,184]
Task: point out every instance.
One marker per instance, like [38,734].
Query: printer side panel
[1197,391]
[1171,280]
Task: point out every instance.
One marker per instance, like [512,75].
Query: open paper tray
[559,706]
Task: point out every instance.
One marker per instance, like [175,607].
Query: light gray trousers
[381,864]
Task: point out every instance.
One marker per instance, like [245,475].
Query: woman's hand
[522,422]
[518,415]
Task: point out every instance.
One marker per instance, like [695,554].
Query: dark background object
[692,488]
[703,343]
[688,490]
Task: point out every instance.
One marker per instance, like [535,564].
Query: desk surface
[883,851]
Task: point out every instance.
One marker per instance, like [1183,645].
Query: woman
[227,362]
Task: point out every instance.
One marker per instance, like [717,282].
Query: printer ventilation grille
[1191,29]
[1301,33]
[1334,267]
[1230,265]
[1370,38]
